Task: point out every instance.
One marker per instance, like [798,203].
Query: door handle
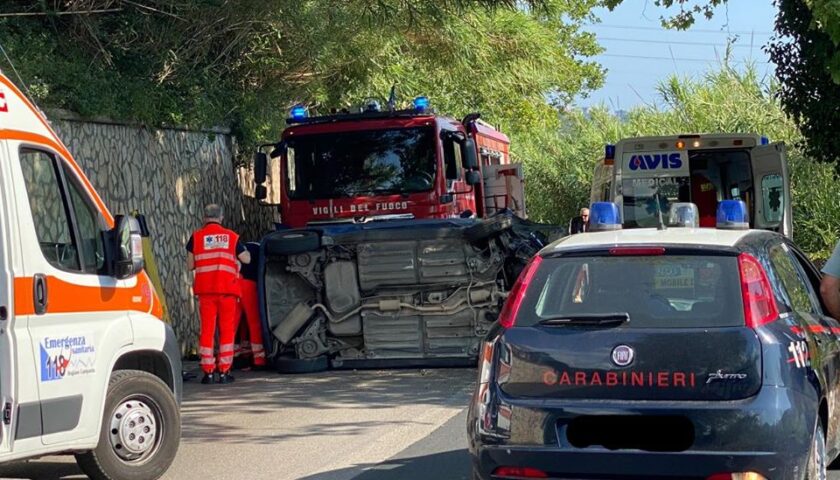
[39,294]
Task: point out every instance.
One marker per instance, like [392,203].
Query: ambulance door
[79,318]
[7,320]
[772,207]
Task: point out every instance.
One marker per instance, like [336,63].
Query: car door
[772,206]
[72,304]
[831,349]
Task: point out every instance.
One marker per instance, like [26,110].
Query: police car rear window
[666,291]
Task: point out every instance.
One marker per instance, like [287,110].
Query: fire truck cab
[411,163]
[646,175]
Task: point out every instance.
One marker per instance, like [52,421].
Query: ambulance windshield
[371,162]
[709,177]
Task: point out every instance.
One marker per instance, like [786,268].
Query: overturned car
[392,293]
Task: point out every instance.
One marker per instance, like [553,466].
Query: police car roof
[650,236]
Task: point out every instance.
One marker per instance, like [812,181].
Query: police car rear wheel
[817,461]
[141,430]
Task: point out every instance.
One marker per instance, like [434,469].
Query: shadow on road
[42,470]
[452,465]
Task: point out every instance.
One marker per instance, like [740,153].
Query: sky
[639,52]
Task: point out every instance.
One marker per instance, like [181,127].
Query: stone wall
[169,175]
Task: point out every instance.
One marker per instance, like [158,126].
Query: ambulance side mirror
[128,247]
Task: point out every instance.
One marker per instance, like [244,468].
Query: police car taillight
[519,472]
[507,317]
[759,303]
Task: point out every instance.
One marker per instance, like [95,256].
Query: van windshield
[714,175]
[656,292]
[370,162]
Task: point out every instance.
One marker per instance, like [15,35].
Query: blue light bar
[733,215]
[604,216]
[765,141]
[609,152]
[421,103]
[298,112]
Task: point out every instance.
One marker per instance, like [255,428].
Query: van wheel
[141,430]
[817,461]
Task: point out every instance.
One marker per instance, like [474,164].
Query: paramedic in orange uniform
[213,253]
[249,303]
[704,195]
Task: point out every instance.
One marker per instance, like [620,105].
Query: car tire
[817,467]
[292,242]
[301,365]
[138,404]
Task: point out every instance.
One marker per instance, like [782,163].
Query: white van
[645,175]
[87,366]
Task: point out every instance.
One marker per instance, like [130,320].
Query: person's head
[213,213]
[584,214]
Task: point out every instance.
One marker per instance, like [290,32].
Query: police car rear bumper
[770,433]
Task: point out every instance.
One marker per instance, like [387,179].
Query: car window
[796,292]
[657,292]
[89,223]
[811,275]
[49,210]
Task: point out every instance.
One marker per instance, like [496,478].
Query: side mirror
[129,248]
[260,167]
[279,150]
[473,177]
[468,154]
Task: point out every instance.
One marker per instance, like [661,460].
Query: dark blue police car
[675,353]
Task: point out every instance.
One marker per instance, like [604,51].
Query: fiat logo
[623,355]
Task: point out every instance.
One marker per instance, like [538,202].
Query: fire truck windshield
[370,162]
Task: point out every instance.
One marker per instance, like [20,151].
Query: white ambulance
[87,366]
[646,175]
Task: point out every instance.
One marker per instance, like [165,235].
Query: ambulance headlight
[298,112]
[604,216]
[733,215]
[683,214]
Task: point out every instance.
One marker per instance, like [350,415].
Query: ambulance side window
[89,223]
[49,209]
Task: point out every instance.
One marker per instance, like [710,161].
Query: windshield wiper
[616,318]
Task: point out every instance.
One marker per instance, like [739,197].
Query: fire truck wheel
[487,228]
[301,365]
[292,242]
[141,430]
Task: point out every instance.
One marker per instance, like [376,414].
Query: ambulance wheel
[141,430]
[301,365]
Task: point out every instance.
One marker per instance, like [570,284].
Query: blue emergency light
[609,152]
[765,141]
[298,112]
[732,215]
[421,103]
[604,216]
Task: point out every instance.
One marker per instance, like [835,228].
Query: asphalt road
[346,425]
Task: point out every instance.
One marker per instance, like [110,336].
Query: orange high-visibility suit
[215,249]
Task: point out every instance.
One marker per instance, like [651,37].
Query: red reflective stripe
[816,329]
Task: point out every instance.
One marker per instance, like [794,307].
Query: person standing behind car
[213,253]
[249,301]
[580,224]
[830,285]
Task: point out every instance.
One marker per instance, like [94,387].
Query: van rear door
[7,346]
[772,206]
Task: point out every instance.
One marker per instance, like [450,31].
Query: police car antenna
[659,218]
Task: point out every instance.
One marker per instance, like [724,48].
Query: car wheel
[817,461]
[292,242]
[140,433]
[301,365]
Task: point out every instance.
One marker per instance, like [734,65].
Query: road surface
[346,425]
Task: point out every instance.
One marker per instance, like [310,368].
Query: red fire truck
[387,163]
